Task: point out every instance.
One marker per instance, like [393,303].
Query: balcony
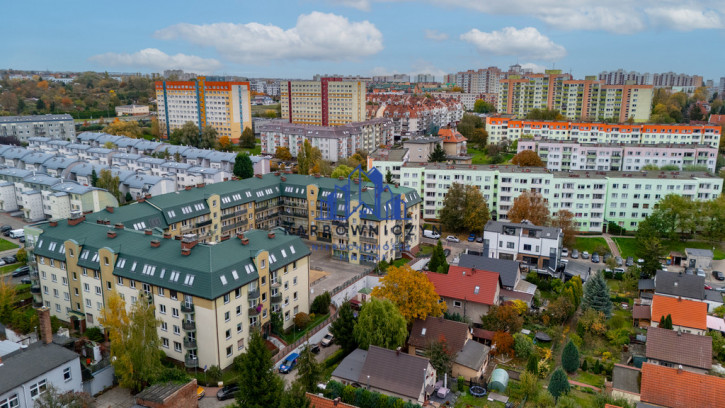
[35,289]
[254,311]
[188,325]
[253,294]
[276,298]
[275,283]
[187,307]
[191,362]
[203,223]
[365,238]
[189,344]
[254,325]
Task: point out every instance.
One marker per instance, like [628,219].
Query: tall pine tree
[570,357]
[596,295]
[259,386]
[343,329]
[309,372]
[559,383]
[438,154]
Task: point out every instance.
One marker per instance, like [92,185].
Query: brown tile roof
[675,388]
[461,283]
[679,348]
[432,329]
[395,372]
[641,312]
[686,313]
[317,401]
[483,334]
[611,406]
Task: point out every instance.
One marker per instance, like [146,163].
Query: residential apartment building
[524,242]
[594,197]
[468,99]
[569,155]
[225,106]
[301,204]
[425,78]
[621,77]
[52,126]
[415,115]
[500,129]
[327,102]
[334,142]
[132,110]
[208,298]
[484,80]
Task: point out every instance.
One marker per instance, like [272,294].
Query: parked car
[595,257]
[575,254]
[479,240]
[606,257]
[25,281]
[708,287]
[446,252]
[23,270]
[564,252]
[315,349]
[700,272]
[10,259]
[640,261]
[690,271]
[431,234]
[21,240]
[6,233]
[452,238]
[618,260]
[618,270]
[327,340]
[200,392]
[585,255]
[630,261]
[289,363]
[5,228]
[227,392]
[718,275]
[471,237]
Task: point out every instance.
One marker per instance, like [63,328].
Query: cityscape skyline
[364,37]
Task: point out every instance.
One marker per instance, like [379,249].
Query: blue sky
[300,38]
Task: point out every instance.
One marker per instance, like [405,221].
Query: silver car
[575,254]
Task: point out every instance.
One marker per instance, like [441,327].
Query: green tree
[570,357]
[243,167]
[55,398]
[208,138]
[380,324]
[110,183]
[321,304]
[440,356]
[388,177]
[128,128]
[718,345]
[128,197]
[479,138]
[341,171]
[277,323]
[135,353]
[259,386]
[666,322]
[296,396]
[531,206]
[464,208]
[527,158]
[309,371]
[247,139]
[481,106]
[438,261]
[343,329]
[559,383]
[475,210]
[523,345]
[529,385]
[438,155]
[94,178]
[468,124]
[596,295]
[308,158]
[504,318]
[532,365]
[651,249]
[22,256]
[187,135]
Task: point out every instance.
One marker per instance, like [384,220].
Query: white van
[431,234]
[17,233]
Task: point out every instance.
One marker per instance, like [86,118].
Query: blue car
[471,237]
[289,363]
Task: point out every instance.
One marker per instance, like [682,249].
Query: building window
[160,291]
[38,388]
[457,303]
[229,351]
[239,327]
[238,293]
[10,402]
[229,334]
[177,346]
[226,316]
[162,309]
[132,284]
[66,374]
[174,312]
[164,326]
[108,285]
[286,316]
[240,344]
[119,280]
[294,296]
[164,342]
[226,298]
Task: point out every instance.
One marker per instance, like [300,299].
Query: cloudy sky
[300,38]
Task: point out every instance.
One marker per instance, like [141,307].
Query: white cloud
[158,60]
[536,68]
[527,42]
[316,36]
[435,35]
[363,5]
[684,19]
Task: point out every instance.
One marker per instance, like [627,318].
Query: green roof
[209,272]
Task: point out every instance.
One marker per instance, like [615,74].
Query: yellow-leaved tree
[135,353]
[411,292]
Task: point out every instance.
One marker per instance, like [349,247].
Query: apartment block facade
[594,197]
[52,126]
[327,102]
[568,155]
[208,298]
[225,106]
[500,129]
[334,142]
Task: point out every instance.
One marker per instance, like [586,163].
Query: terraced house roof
[209,272]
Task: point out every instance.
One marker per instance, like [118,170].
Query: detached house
[688,316]
[467,291]
[671,348]
[678,388]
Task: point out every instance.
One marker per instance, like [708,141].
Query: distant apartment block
[414,115]
[658,80]
[327,102]
[568,155]
[24,127]
[334,142]
[225,106]
[500,129]
[467,99]
[425,78]
[485,80]
[132,110]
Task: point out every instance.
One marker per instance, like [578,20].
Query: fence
[288,349]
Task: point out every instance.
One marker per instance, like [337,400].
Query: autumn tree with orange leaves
[529,206]
[527,158]
[411,292]
[564,219]
[503,344]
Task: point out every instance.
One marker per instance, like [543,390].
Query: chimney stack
[109,209]
[187,242]
[270,235]
[111,234]
[54,223]
[155,243]
[167,235]
[46,330]
[118,225]
[336,401]
[147,231]
[76,220]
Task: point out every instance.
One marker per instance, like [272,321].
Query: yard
[480,156]
[591,245]
[8,268]
[5,245]
[295,334]
[628,246]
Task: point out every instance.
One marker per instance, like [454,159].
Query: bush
[94,334]
[334,358]
[523,345]
[321,304]
[461,383]
[214,374]
[302,319]
[570,357]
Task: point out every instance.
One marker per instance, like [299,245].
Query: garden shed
[499,380]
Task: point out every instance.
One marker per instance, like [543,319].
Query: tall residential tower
[327,102]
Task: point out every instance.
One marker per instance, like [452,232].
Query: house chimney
[109,209]
[200,185]
[258,175]
[317,175]
[276,173]
[187,242]
[140,199]
[283,178]
[185,251]
[679,369]
[224,238]
[397,351]
[155,243]
[270,235]
[111,234]
[118,225]
[341,178]
[167,235]
[46,330]
[54,223]
[75,220]
[147,231]
[336,401]
[187,188]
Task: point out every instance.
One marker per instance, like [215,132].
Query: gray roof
[713,295]
[16,153]
[99,150]
[128,156]
[204,170]
[350,367]
[389,154]
[36,118]
[625,378]
[679,348]
[160,392]
[15,172]
[37,158]
[546,232]
[680,284]
[423,140]
[142,180]
[26,364]
[7,346]
[507,270]
[473,355]
[59,162]
[40,178]
[73,187]
[151,160]
[646,284]
[395,372]
[698,252]
[171,148]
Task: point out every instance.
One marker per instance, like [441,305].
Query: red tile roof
[675,388]
[321,402]
[718,119]
[451,136]
[461,283]
[483,334]
[686,313]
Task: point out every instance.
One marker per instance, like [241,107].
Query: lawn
[425,250]
[5,245]
[591,245]
[590,378]
[400,262]
[467,400]
[628,246]
[261,109]
[294,335]
[8,268]
[480,156]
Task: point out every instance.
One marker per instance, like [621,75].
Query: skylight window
[174,276]
[133,267]
[284,254]
[171,213]
[95,257]
[248,193]
[292,249]
[235,275]
[52,246]
[475,291]
[121,262]
[223,279]
[163,272]
[249,268]
[272,257]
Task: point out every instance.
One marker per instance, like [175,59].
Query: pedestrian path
[613,248]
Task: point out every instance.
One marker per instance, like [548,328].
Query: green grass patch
[591,245]
[8,268]
[261,109]
[5,245]
[467,400]
[478,156]
[425,250]
[294,335]
[629,247]
[399,262]
[590,378]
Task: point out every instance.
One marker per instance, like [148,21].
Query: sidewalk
[612,245]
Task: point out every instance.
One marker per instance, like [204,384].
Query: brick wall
[185,397]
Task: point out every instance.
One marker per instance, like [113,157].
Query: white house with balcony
[538,247]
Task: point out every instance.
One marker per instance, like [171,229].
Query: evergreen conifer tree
[596,295]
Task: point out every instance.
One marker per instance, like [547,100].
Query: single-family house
[692,287]
[512,286]
[318,401]
[688,316]
[672,348]
[454,143]
[467,291]
[677,388]
[539,247]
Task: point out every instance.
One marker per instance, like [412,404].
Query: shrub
[570,357]
[321,304]
[461,383]
[585,366]
[302,320]
[523,345]
[94,334]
